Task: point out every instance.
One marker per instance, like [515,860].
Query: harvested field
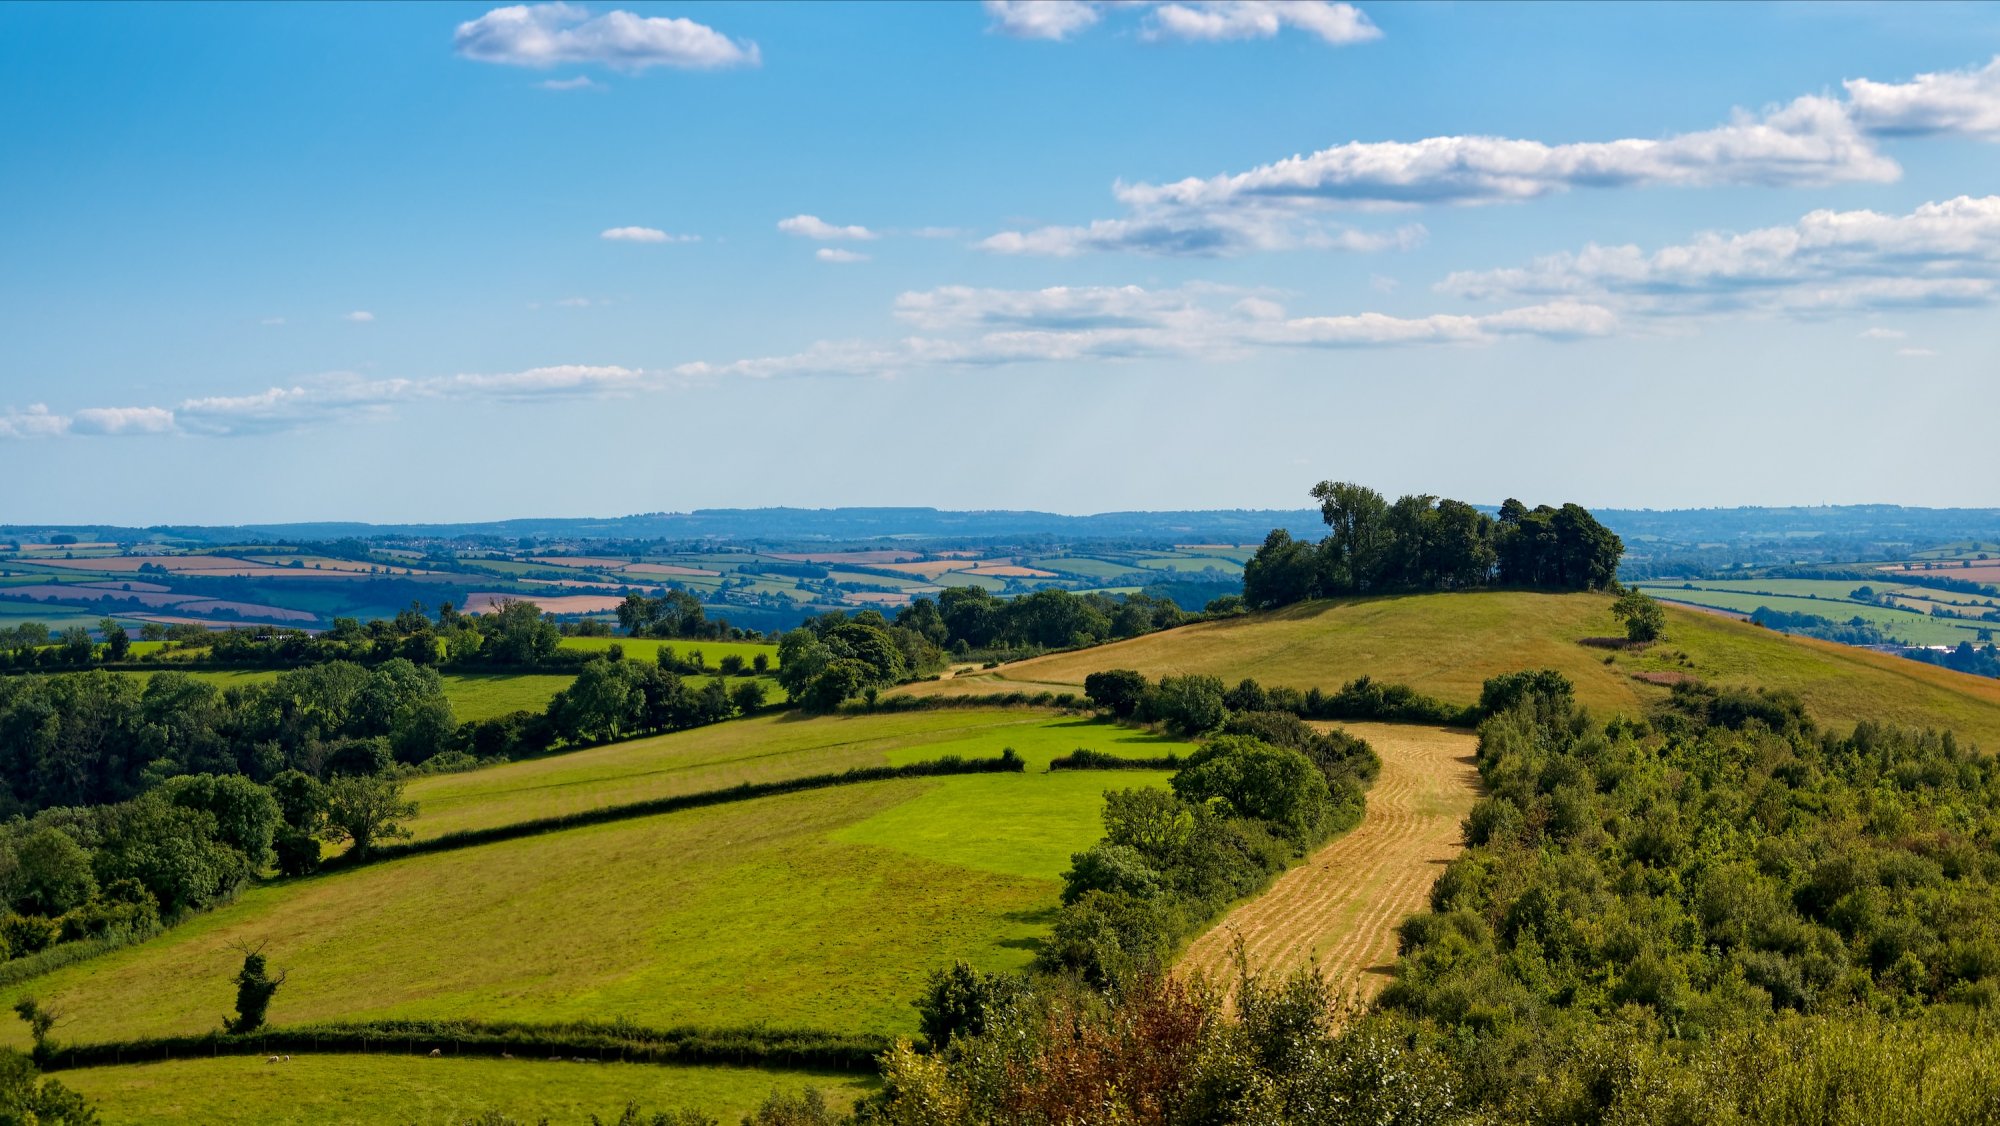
[666,569]
[1009,571]
[1978,573]
[929,569]
[1340,907]
[561,604]
[862,557]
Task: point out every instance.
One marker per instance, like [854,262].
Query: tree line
[1422,543]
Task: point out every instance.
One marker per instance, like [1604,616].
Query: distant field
[764,749]
[1448,644]
[337,1090]
[823,909]
[1913,627]
[473,696]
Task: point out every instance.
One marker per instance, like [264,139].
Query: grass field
[763,749]
[473,696]
[1448,644]
[338,1090]
[823,909]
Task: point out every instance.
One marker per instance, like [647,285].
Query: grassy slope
[323,1090]
[1448,644]
[763,749]
[823,909]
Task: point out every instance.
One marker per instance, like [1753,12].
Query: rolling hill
[1446,645]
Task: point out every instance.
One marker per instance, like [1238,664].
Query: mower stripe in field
[1341,906]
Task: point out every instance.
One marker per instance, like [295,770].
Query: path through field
[1341,905]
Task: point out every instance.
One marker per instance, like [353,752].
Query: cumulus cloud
[835,254]
[1940,254]
[1962,101]
[813,227]
[644,234]
[1811,141]
[1333,23]
[544,35]
[34,422]
[1041,19]
[359,317]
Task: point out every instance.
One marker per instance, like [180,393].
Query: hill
[1446,645]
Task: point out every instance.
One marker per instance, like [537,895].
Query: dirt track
[1341,905]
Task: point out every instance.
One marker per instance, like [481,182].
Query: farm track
[1340,907]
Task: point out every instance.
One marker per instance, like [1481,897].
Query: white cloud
[813,227]
[1041,19]
[358,316]
[543,35]
[574,303]
[1882,334]
[1334,23]
[1961,101]
[580,82]
[1810,142]
[1940,254]
[1331,22]
[272,321]
[1915,352]
[938,232]
[35,422]
[122,420]
[644,234]
[1201,233]
[835,254]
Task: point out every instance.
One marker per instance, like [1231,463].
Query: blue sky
[464,262]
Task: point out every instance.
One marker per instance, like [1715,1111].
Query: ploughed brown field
[1340,906]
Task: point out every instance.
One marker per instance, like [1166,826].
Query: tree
[1118,690]
[366,810]
[1274,784]
[1190,705]
[117,643]
[1358,519]
[748,697]
[254,989]
[1282,572]
[54,874]
[1644,618]
[962,1001]
[28,1100]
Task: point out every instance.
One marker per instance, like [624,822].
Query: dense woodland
[1422,543]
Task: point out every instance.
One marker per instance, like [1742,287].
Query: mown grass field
[762,749]
[1448,644]
[364,1090]
[823,909]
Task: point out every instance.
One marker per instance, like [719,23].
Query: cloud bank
[1193,21]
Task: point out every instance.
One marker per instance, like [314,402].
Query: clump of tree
[1423,543]
[1644,618]
[254,989]
[834,658]
[675,613]
[1193,705]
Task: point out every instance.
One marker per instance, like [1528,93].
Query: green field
[821,909]
[1448,644]
[763,749]
[648,648]
[1904,625]
[324,1090]
[473,696]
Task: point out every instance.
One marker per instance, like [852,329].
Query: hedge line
[1007,763]
[1070,701]
[756,1047]
[1083,758]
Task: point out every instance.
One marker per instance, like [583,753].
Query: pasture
[647,649]
[1911,625]
[321,1090]
[762,749]
[1447,645]
[821,910]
